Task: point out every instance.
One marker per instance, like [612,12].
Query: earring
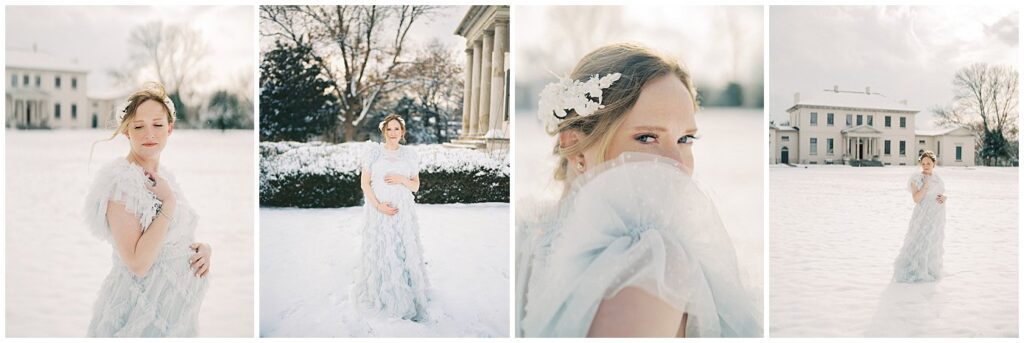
[579,165]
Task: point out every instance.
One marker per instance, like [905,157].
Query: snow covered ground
[836,230]
[308,256]
[728,162]
[54,266]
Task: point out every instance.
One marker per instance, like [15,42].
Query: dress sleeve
[414,159]
[370,155]
[916,180]
[120,183]
[647,226]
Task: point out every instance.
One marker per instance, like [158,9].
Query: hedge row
[319,175]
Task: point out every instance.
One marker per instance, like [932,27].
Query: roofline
[832,107]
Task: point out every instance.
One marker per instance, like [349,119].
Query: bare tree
[170,54]
[359,46]
[985,101]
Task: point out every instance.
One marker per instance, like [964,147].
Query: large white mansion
[45,91]
[861,128]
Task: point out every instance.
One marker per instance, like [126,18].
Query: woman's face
[927,164]
[393,131]
[148,129]
[661,122]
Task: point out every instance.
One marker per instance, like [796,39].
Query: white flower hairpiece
[167,101]
[558,98]
[380,126]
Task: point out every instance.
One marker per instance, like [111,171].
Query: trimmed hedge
[319,175]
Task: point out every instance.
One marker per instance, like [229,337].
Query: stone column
[475,96]
[485,84]
[497,80]
[467,92]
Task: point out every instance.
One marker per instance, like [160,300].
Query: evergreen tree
[295,103]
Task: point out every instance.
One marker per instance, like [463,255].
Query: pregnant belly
[392,193]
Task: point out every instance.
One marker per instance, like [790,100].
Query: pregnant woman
[920,259]
[158,278]
[391,280]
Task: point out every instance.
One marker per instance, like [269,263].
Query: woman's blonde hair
[929,154]
[638,66]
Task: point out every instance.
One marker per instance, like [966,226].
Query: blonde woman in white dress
[159,273]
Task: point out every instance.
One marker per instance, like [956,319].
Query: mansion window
[785,138]
[14,80]
[849,120]
[39,81]
[860,119]
[56,82]
[871,120]
[959,153]
[903,122]
[74,83]
[814,118]
[24,80]
[830,119]
[829,144]
[74,111]
[888,121]
[888,147]
[814,146]
[903,148]
[56,111]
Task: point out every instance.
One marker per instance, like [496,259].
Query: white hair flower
[558,98]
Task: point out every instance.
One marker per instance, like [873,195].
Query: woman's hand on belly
[200,261]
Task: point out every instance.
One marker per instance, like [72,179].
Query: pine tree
[294,100]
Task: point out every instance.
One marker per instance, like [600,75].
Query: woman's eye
[646,138]
[159,125]
[138,127]
[688,139]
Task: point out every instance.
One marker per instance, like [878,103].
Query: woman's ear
[170,128]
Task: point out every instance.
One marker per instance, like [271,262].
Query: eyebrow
[662,129]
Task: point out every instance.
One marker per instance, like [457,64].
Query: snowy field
[836,230]
[54,266]
[728,163]
[308,256]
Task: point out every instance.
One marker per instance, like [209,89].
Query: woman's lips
[149,145]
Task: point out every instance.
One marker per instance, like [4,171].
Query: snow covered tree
[295,101]
[359,48]
[225,111]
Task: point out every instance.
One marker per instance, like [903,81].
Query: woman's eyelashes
[650,138]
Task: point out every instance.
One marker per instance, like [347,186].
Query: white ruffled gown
[391,280]
[638,221]
[164,303]
[920,259]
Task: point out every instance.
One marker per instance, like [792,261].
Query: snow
[321,158]
[836,230]
[55,266]
[306,271]
[728,162]
[853,99]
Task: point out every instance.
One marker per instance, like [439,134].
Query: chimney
[796,98]
[835,88]
[867,90]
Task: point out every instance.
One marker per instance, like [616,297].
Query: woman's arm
[138,249]
[918,194]
[412,184]
[635,313]
[364,182]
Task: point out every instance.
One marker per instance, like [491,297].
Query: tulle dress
[391,280]
[636,221]
[164,303]
[920,259]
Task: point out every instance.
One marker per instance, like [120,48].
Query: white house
[861,127]
[44,91]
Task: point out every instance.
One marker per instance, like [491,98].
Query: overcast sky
[902,52]
[98,36]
